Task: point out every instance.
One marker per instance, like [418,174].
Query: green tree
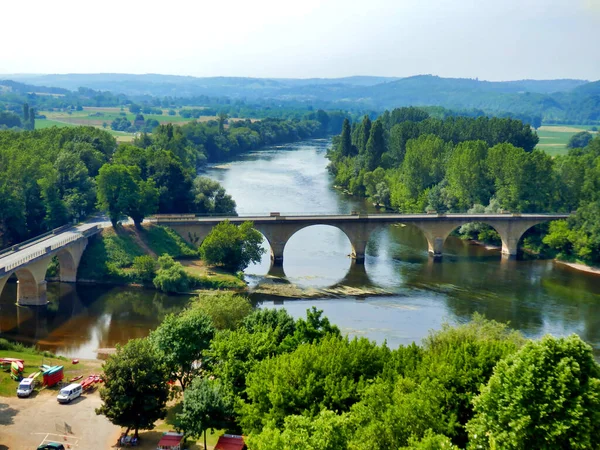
[546,396]
[26,114]
[326,431]
[144,267]
[226,310]
[346,140]
[135,388]
[181,341]
[375,146]
[467,174]
[222,119]
[580,140]
[232,247]
[171,276]
[206,405]
[210,197]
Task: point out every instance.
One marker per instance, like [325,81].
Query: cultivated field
[99,117]
[554,138]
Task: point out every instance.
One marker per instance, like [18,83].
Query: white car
[26,387]
[69,393]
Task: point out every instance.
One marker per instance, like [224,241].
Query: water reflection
[80,319]
[536,297]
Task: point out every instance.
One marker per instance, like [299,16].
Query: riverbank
[580,267]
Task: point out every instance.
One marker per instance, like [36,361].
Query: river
[536,297]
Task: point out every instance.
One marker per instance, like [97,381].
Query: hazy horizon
[488,40]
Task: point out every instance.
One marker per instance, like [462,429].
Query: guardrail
[43,251]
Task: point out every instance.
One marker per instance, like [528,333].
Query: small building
[170,441]
[230,442]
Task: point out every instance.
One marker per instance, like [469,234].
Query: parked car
[69,393]
[51,446]
[26,387]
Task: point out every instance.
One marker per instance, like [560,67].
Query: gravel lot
[26,423]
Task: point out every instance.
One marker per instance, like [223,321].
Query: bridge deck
[13,259]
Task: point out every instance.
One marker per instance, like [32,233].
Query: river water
[536,297]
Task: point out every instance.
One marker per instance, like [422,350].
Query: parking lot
[26,423]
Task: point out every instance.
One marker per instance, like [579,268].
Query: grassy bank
[109,257]
[33,359]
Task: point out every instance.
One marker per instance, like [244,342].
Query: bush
[226,310]
[171,277]
[144,268]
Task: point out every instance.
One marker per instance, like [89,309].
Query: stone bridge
[29,260]
[278,229]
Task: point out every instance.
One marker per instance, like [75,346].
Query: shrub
[144,268]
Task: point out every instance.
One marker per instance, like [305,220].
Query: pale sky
[488,39]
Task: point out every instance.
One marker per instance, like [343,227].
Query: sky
[485,39]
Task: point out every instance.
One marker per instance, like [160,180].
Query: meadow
[554,138]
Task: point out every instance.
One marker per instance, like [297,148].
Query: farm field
[102,118]
[554,138]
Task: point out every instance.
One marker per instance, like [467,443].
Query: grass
[554,138]
[33,361]
[47,123]
[109,257]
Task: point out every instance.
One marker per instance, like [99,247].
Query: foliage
[326,374]
[206,405]
[326,431]
[171,276]
[144,267]
[226,310]
[181,342]
[545,396]
[210,198]
[580,140]
[232,247]
[135,387]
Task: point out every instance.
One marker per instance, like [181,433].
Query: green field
[99,117]
[554,138]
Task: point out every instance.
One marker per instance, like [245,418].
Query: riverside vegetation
[410,162]
[298,384]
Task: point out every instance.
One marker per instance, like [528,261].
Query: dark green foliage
[580,140]
[135,387]
[546,396]
[209,197]
[232,247]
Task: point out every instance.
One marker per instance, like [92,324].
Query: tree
[375,146]
[222,118]
[580,140]
[135,388]
[346,140]
[171,277]
[546,396]
[327,431]
[25,114]
[121,191]
[209,197]
[226,310]
[31,119]
[144,267]
[181,341]
[467,174]
[206,405]
[232,247]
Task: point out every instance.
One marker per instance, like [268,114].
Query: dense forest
[410,162]
[297,384]
[55,176]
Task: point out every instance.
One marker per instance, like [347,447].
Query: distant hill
[564,100]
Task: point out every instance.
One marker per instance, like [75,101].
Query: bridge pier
[31,284]
[69,259]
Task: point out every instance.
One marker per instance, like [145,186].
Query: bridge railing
[45,250]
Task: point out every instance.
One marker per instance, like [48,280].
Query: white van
[69,393]
[26,387]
